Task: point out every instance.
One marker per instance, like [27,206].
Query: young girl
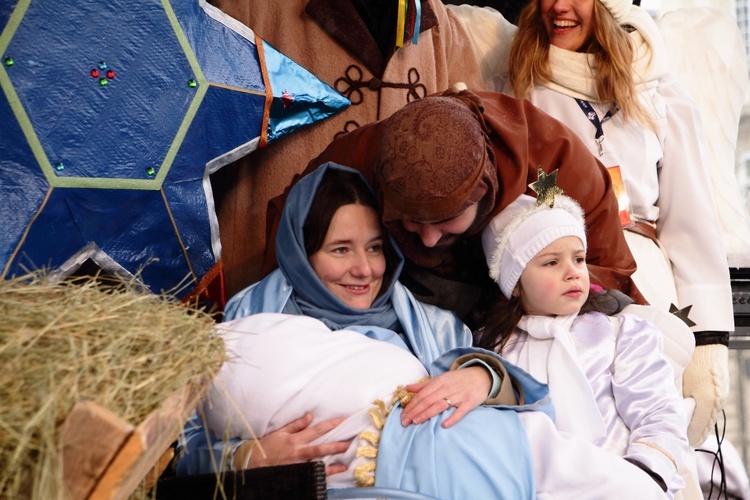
[601,68]
[608,379]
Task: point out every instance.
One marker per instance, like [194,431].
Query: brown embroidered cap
[435,159]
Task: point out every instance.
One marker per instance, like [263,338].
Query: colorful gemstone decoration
[104,200]
[192,83]
[96,73]
[286,99]
[8,61]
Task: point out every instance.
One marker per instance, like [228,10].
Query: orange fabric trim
[215,273]
[269,94]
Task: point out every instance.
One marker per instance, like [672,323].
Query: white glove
[706,380]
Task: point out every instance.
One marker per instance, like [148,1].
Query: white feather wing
[706,53]
[491,37]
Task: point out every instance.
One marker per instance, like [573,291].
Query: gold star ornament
[546,188]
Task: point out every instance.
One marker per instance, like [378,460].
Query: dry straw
[68,342]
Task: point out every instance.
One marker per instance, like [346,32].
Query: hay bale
[84,340]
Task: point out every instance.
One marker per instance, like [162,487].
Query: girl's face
[351,261]
[569,23]
[556,281]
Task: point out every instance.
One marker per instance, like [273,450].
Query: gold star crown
[546,187]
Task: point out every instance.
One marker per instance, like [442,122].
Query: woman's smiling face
[351,262]
[569,23]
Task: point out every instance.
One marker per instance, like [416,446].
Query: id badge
[623,200]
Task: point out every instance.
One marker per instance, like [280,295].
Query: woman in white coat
[600,67]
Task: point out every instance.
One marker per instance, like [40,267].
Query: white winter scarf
[574,74]
[552,358]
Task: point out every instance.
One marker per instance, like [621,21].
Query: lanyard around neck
[588,110]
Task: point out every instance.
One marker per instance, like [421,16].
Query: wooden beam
[91,437]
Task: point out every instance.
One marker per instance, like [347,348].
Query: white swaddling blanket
[283,366]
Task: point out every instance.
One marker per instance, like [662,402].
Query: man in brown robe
[443,166]
[351,46]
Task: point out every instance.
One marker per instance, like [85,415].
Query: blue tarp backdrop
[113,114]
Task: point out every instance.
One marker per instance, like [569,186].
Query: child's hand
[463,390]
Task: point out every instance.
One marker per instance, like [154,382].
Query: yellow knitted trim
[370,437]
[379,413]
[403,396]
[367,451]
[364,473]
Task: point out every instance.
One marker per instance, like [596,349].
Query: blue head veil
[310,296]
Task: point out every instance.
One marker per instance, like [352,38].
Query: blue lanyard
[588,110]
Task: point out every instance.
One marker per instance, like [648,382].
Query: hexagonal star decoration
[114,113]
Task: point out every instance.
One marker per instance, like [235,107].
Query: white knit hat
[618,8]
[517,234]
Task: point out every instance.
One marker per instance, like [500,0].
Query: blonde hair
[611,49]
